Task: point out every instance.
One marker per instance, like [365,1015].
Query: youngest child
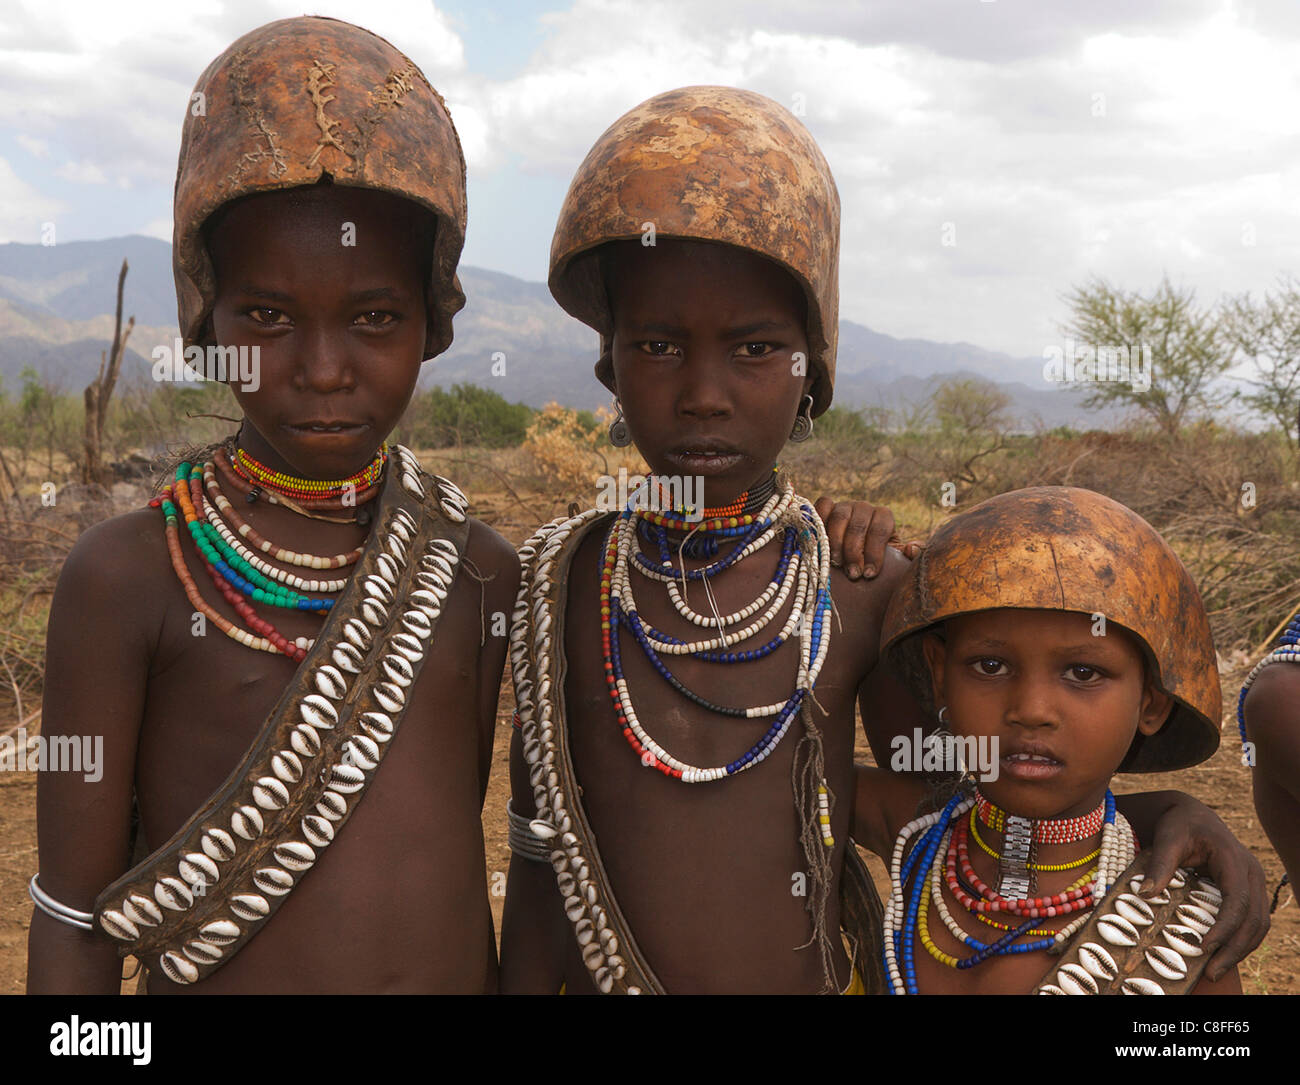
[1064,641]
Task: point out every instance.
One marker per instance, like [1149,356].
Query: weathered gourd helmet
[706,164]
[300,98]
[1062,548]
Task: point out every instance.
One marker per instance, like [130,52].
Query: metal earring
[803,423]
[619,435]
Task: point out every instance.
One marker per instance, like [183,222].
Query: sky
[990,154]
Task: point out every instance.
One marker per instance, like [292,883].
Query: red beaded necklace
[1064,903]
[1046,830]
[348,499]
[308,489]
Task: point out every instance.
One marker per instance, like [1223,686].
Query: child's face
[704,343]
[1063,704]
[328,282]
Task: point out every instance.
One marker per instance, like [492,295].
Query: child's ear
[936,654]
[1156,708]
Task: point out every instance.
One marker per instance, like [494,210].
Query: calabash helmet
[1061,548]
[706,164]
[300,98]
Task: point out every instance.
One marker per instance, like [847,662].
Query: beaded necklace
[237,572]
[308,489]
[1046,830]
[939,859]
[270,639]
[716,524]
[811,593]
[350,500]
[1039,867]
[246,531]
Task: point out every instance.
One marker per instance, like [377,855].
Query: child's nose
[1032,702]
[323,364]
[704,392]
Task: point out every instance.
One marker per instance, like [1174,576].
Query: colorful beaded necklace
[349,500]
[1046,830]
[246,531]
[308,489]
[237,572]
[939,860]
[802,572]
[703,535]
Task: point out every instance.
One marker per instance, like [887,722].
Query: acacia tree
[973,420]
[1182,350]
[1268,334]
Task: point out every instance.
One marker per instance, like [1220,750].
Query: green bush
[466,415]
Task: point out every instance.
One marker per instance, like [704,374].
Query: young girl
[687,690]
[284,655]
[1064,641]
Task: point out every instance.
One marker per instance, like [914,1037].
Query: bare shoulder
[862,603]
[116,573]
[490,551]
[1270,703]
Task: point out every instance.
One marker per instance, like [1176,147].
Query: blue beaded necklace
[622,556]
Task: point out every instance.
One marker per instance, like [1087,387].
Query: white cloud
[982,115]
[23,209]
[82,173]
[37,148]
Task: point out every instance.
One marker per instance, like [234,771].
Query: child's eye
[989,666]
[377,318]
[657,347]
[1084,674]
[756,350]
[268,317]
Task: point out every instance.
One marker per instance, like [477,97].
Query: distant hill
[56,315]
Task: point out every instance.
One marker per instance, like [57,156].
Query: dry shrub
[571,457]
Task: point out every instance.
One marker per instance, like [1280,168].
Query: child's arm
[891,716]
[98,655]
[534,931]
[1273,726]
[882,803]
[494,560]
[1179,831]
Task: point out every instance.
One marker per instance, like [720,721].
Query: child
[700,237]
[1271,747]
[320,214]
[1064,640]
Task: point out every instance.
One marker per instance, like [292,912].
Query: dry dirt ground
[1223,784]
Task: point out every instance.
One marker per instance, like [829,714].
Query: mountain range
[56,315]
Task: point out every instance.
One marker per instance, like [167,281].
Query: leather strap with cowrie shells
[193,904]
[537,662]
[1136,945]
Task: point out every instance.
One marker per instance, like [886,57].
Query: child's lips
[320,427]
[1023,765]
[705,460]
